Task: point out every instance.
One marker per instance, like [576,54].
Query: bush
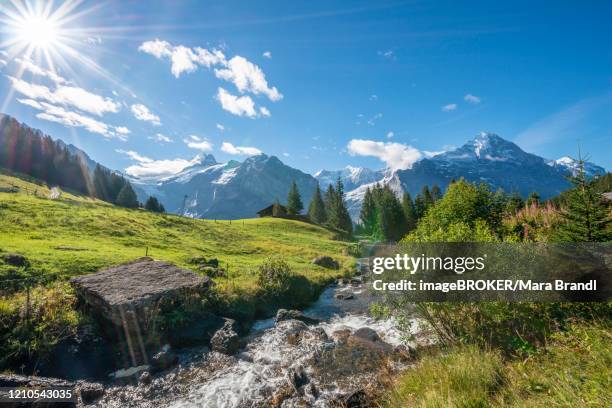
[27,334]
[274,276]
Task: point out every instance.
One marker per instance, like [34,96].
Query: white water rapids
[258,374]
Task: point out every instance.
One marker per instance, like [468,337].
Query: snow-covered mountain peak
[571,165]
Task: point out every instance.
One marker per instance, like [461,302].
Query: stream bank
[340,360]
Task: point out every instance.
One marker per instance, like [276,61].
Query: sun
[38,32]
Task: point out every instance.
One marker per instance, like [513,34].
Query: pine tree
[409,212]
[436,193]
[277,209]
[316,208]
[100,183]
[391,220]
[585,216]
[514,203]
[427,197]
[419,206]
[127,197]
[294,200]
[153,204]
[337,213]
[368,216]
[330,203]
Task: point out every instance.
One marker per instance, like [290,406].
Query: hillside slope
[74,235]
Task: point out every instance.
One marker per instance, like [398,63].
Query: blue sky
[320,84]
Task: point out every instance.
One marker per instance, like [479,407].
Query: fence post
[27,311]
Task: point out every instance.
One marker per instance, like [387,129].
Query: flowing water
[285,364]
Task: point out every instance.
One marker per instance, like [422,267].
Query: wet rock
[297,377]
[405,353]
[356,280]
[284,392]
[319,334]
[15,260]
[367,334]
[284,314]
[326,262]
[311,390]
[341,335]
[163,360]
[14,380]
[145,378]
[356,399]
[344,296]
[294,330]
[90,392]
[226,339]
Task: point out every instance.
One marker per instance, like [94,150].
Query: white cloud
[267,54]
[395,155]
[449,107]
[264,111]
[197,143]
[373,97]
[472,99]
[135,156]
[242,150]
[184,59]
[28,65]
[62,116]
[430,154]
[163,138]
[67,96]
[286,154]
[390,134]
[388,54]
[220,127]
[154,169]
[93,40]
[122,130]
[141,112]
[373,119]
[236,105]
[248,77]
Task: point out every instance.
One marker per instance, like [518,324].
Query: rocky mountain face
[227,190]
[487,158]
[352,177]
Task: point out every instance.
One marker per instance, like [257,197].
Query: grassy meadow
[74,235]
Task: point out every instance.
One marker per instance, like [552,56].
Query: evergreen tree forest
[330,209]
[28,151]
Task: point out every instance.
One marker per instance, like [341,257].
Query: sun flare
[38,32]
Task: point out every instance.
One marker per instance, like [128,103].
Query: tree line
[327,209]
[384,217]
[28,151]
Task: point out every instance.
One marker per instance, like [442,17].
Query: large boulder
[326,262]
[226,339]
[284,314]
[367,334]
[15,260]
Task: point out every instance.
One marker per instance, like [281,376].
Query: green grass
[75,235]
[574,370]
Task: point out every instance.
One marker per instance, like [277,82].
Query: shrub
[274,276]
